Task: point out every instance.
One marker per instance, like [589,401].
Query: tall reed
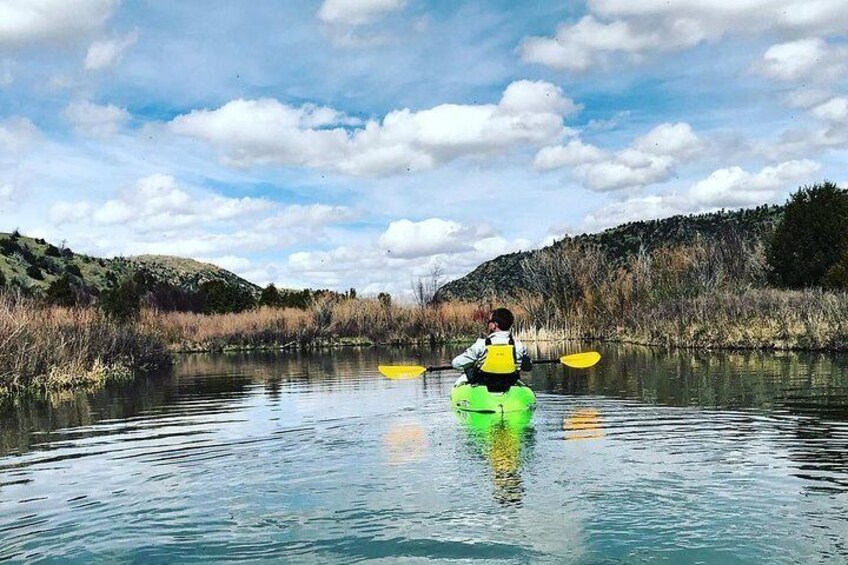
[51,348]
[710,293]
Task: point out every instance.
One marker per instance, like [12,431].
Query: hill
[33,264]
[508,274]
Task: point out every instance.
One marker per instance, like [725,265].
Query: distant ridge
[507,274]
[32,264]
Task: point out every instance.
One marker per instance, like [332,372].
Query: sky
[364,143]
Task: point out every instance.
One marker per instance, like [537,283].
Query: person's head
[501,318]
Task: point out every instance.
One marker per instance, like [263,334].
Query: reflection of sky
[345,464]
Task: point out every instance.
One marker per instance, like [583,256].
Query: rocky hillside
[507,274]
[32,264]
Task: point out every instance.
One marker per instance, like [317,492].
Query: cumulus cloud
[407,239]
[251,132]
[411,248]
[157,202]
[95,120]
[635,28]
[28,22]
[834,110]
[651,158]
[805,59]
[572,154]
[106,53]
[16,134]
[734,187]
[730,187]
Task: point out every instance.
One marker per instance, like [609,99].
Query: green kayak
[477,398]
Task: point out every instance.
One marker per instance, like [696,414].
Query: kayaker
[495,360]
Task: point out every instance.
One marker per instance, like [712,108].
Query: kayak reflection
[506,441]
[583,423]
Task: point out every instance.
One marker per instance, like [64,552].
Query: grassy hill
[508,274]
[32,264]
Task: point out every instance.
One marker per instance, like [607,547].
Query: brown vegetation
[328,321]
[51,348]
[711,293]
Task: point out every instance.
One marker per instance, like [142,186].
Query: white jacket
[475,354]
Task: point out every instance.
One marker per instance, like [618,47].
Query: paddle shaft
[449,367]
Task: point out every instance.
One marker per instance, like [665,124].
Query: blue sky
[361,143]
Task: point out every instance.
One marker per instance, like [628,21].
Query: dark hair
[503,318]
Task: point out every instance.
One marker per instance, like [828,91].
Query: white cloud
[581,46]
[638,27]
[27,22]
[252,132]
[730,187]
[69,212]
[407,239]
[17,134]
[834,110]
[94,120]
[672,140]
[651,158]
[805,59]
[573,154]
[357,12]
[156,202]
[405,251]
[735,187]
[313,215]
[106,53]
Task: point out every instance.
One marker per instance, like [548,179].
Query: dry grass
[709,294]
[327,322]
[51,348]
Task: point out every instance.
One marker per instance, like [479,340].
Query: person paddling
[496,360]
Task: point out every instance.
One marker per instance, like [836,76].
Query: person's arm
[467,358]
[525,364]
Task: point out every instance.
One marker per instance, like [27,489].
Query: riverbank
[46,349]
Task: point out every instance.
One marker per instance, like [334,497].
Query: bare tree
[425,288]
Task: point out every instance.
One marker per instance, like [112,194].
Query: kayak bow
[478,398]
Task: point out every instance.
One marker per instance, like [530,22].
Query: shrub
[61,292]
[52,251]
[812,237]
[221,298]
[34,272]
[122,302]
[72,269]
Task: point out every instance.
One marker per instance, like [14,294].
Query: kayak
[477,398]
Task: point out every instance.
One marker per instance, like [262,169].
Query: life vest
[500,359]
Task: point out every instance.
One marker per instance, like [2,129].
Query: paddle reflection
[583,423]
[506,442]
[405,442]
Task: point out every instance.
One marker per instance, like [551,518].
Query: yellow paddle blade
[580,360]
[401,371]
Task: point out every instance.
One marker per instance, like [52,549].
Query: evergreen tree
[270,296]
[812,237]
[123,301]
[61,292]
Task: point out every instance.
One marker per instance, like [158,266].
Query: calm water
[651,456]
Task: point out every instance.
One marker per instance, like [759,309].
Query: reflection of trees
[748,379]
[197,377]
[506,441]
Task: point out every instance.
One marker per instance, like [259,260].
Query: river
[678,457]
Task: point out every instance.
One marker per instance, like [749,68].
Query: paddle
[575,361]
